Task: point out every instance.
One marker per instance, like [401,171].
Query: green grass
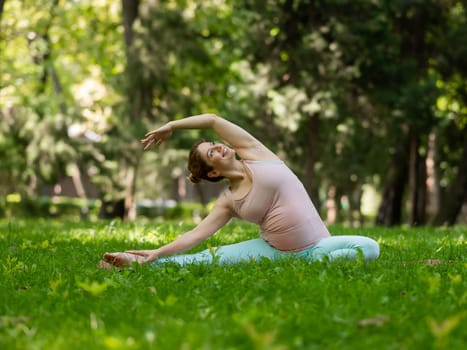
[53,296]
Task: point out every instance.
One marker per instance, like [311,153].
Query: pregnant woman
[262,190]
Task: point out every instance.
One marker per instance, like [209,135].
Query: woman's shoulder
[226,201]
[256,152]
[263,161]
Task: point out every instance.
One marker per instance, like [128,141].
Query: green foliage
[57,298]
[68,208]
[184,211]
[47,207]
[73,94]
[60,83]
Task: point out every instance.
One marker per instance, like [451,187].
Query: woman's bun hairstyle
[194,179]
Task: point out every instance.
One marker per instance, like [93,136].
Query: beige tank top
[278,202]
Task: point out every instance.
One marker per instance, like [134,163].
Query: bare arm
[217,218]
[246,145]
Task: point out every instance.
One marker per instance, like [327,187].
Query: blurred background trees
[365,100]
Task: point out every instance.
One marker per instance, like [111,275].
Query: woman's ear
[213,173]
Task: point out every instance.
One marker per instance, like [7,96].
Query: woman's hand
[157,136]
[147,255]
[123,259]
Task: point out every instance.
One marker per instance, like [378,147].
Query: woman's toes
[116,259]
[109,257]
[105,265]
[123,259]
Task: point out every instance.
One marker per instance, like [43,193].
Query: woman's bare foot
[105,265]
[121,259]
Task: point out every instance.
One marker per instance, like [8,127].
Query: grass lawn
[53,296]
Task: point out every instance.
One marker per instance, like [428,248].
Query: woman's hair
[197,166]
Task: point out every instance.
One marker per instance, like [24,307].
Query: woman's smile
[213,151]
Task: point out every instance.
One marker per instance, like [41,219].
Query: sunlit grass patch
[54,297]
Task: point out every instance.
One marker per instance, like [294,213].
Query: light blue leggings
[334,247]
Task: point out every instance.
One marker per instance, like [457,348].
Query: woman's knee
[370,249]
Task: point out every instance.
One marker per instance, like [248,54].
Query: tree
[451,140]
[53,89]
[413,23]
[348,98]
[2,4]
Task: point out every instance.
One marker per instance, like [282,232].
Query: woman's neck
[239,176]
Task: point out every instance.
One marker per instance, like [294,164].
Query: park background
[365,100]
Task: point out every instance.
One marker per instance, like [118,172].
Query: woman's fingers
[156,136]
[148,144]
[151,136]
[138,252]
[150,140]
[150,133]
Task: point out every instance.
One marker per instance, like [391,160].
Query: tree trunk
[311,159]
[77,180]
[433,178]
[138,96]
[361,218]
[178,188]
[417,182]
[130,203]
[356,218]
[2,4]
[129,13]
[456,195]
[200,192]
[331,206]
[390,209]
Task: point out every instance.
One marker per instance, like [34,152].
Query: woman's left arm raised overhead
[245,144]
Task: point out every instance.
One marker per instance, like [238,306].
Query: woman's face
[216,155]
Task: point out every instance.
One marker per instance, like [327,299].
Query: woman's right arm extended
[218,217]
[246,145]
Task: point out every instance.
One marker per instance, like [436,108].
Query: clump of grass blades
[54,297]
